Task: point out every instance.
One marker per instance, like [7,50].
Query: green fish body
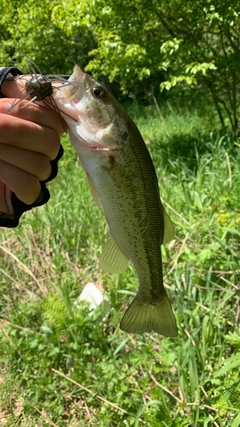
[123,181]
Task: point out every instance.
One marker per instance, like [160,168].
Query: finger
[15,87]
[12,88]
[26,187]
[35,113]
[29,135]
[31,162]
[3,205]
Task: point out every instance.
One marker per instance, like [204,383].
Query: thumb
[5,104]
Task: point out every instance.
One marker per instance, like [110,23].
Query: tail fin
[145,316]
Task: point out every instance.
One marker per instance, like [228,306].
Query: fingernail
[4,105]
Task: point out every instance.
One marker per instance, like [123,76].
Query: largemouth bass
[123,181]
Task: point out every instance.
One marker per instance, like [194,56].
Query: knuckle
[31,190]
[54,145]
[6,125]
[32,183]
[43,167]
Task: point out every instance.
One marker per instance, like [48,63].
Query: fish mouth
[77,75]
[73,86]
[77,78]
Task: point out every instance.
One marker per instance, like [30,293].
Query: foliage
[59,365]
[139,45]
[208,53]
[195,43]
[28,30]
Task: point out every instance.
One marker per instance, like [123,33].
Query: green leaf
[236,421]
[229,364]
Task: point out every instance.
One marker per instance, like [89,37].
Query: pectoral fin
[169,231]
[112,259]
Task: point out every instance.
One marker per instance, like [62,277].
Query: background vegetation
[58,365]
[137,44]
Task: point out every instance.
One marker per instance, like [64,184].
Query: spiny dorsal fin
[169,231]
[112,259]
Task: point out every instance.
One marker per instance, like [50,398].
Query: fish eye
[98,92]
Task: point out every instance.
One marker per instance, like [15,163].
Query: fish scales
[123,181]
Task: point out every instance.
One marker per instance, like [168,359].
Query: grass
[62,367]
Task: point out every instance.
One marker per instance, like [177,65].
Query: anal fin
[169,231]
[112,259]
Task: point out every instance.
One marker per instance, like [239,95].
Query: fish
[124,183]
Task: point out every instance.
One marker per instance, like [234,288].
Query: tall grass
[62,367]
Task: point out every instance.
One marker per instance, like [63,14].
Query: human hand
[29,140]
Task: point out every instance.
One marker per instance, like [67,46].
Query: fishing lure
[39,88]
